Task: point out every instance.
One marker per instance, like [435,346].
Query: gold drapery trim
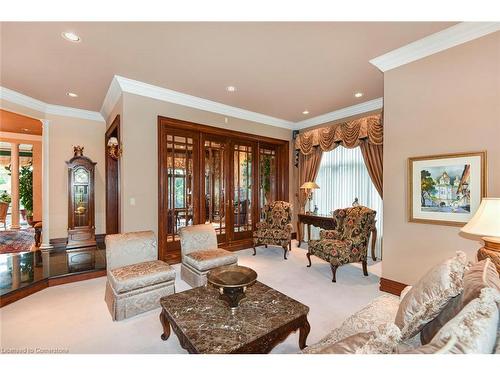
[349,134]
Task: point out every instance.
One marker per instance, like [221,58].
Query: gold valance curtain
[349,134]
[366,132]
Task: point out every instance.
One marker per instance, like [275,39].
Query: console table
[324,222]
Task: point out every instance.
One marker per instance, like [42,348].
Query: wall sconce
[114,149]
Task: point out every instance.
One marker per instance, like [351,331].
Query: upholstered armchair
[200,253]
[348,242]
[4,207]
[276,229]
[136,278]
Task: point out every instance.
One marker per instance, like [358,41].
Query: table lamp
[486,223]
[309,187]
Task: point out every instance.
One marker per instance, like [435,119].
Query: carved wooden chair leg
[334,272]
[308,255]
[290,246]
[254,251]
[285,248]
[265,245]
[365,268]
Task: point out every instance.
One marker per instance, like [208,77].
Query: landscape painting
[446,189]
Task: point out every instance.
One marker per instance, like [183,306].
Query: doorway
[112,180]
[217,176]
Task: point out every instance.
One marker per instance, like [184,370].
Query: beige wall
[139,163]
[447,102]
[65,133]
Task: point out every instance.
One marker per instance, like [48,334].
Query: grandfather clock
[81,212]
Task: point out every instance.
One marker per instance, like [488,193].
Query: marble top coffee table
[205,324]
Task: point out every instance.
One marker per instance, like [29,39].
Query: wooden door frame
[283,171]
[114,127]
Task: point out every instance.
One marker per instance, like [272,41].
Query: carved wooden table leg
[166,326]
[374,241]
[308,233]
[303,332]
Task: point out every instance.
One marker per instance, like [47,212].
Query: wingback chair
[348,242]
[200,253]
[4,207]
[136,278]
[276,229]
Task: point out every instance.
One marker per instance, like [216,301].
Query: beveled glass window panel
[242,201]
[179,185]
[214,153]
[267,178]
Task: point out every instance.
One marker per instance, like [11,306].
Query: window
[342,177]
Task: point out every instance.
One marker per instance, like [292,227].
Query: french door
[216,176]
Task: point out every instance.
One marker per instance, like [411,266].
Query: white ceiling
[279,69]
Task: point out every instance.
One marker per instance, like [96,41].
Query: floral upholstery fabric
[207,259]
[276,228]
[349,242]
[140,275]
[129,248]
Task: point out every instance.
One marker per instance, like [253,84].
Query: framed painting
[446,189]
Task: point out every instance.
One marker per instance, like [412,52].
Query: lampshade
[486,221]
[310,185]
[112,141]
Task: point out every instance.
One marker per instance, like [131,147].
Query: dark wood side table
[325,222]
[205,324]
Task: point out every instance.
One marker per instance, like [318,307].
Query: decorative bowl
[232,282]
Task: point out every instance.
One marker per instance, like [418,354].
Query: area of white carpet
[75,317]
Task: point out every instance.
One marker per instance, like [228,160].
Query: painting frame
[478,159]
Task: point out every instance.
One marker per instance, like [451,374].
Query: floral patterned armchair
[348,242]
[276,229]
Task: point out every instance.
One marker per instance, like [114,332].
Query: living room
[236,187]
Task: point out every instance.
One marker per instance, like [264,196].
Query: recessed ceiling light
[231,88]
[306,112]
[72,94]
[72,37]
[25,130]
[358,94]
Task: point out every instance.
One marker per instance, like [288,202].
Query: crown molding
[434,43]
[371,105]
[112,96]
[37,105]
[159,93]
[21,137]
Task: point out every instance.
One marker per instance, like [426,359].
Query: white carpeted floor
[75,317]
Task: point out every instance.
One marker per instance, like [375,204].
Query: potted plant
[26,191]
[5,197]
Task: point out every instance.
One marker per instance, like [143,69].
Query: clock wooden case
[81,209]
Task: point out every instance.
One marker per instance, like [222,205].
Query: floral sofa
[276,229]
[348,242]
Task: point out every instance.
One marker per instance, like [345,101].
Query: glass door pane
[179,176]
[267,176]
[242,188]
[214,202]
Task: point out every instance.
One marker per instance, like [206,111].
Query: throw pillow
[472,331]
[425,300]
[481,275]
[382,341]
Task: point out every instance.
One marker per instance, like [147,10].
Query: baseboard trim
[391,286]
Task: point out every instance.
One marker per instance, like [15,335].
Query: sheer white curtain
[342,177]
